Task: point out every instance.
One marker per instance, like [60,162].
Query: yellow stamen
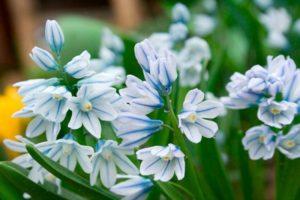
[289,143]
[192,117]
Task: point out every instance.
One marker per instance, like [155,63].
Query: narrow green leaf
[246,178]
[22,183]
[75,183]
[170,191]
[287,181]
[214,170]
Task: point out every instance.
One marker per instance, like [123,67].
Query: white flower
[190,58]
[291,90]
[68,152]
[90,105]
[136,188]
[164,72]
[289,144]
[209,5]
[78,67]
[277,20]
[141,97]
[102,79]
[111,41]
[54,36]
[33,86]
[178,31]
[180,13]
[145,53]
[193,118]
[135,129]
[107,157]
[260,142]
[161,41]
[211,96]
[43,59]
[204,24]
[263,3]
[277,40]
[52,103]
[39,125]
[162,162]
[276,114]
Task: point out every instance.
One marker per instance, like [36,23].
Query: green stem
[179,140]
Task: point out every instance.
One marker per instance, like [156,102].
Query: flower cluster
[83,97]
[274,90]
[192,52]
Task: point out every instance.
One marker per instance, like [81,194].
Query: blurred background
[238,41]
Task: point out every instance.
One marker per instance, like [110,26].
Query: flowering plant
[97,133]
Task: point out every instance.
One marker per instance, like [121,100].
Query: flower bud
[180,13]
[145,53]
[54,36]
[43,59]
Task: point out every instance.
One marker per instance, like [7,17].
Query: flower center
[66,150]
[57,97]
[275,111]
[289,143]
[166,158]
[87,106]
[262,138]
[192,117]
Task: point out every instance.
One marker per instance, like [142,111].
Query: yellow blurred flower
[10,102]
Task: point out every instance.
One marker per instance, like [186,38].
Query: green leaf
[287,178]
[20,181]
[74,182]
[173,192]
[214,171]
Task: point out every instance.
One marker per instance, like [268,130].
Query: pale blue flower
[163,72]
[89,106]
[112,41]
[260,142]
[102,79]
[190,59]
[204,24]
[68,152]
[110,57]
[78,67]
[162,162]
[145,54]
[180,13]
[52,103]
[141,97]
[54,36]
[161,41]
[193,119]
[258,83]
[276,114]
[276,19]
[289,144]
[39,125]
[107,157]
[240,96]
[291,90]
[135,129]
[135,188]
[178,31]
[43,59]
[34,86]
